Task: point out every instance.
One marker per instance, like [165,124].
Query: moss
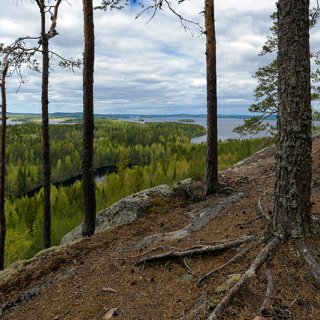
[212,304]
[232,279]
[162,204]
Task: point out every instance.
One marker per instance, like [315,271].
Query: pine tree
[3,228]
[211,176]
[292,212]
[266,92]
[88,227]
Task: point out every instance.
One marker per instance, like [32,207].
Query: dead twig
[256,264]
[198,250]
[158,6]
[235,258]
[108,290]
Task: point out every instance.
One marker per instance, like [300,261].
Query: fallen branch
[238,256]
[312,263]
[257,263]
[197,250]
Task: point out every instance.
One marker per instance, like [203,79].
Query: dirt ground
[95,277]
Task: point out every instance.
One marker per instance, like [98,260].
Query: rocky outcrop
[259,156]
[124,211]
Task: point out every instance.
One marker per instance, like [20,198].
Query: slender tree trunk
[292,212]
[45,130]
[88,122]
[212,148]
[3,167]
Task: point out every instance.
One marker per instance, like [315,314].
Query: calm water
[9,122]
[225,126]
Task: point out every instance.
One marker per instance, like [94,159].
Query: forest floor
[98,278]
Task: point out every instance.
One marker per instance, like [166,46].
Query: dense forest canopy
[24,171]
[157,153]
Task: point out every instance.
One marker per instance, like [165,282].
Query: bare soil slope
[94,278]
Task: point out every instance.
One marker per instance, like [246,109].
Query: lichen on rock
[126,210]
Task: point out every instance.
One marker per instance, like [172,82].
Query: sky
[143,67]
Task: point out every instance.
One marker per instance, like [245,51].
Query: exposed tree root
[262,212]
[210,210]
[312,263]
[235,258]
[189,268]
[197,250]
[261,209]
[270,311]
[277,312]
[249,222]
[257,263]
[158,249]
[269,292]
[196,312]
[268,308]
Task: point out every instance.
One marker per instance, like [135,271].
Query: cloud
[142,67]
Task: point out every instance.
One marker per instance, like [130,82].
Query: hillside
[99,278]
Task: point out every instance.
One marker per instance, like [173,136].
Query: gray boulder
[124,211]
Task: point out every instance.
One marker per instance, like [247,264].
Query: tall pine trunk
[3,166]
[292,212]
[88,227]
[45,130]
[211,176]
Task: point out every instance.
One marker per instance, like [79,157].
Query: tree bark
[211,176]
[292,212]
[45,129]
[3,166]
[88,227]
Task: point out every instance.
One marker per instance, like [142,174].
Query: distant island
[187,120]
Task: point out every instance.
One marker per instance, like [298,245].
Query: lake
[225,125]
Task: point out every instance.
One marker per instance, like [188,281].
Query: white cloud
[146,68]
